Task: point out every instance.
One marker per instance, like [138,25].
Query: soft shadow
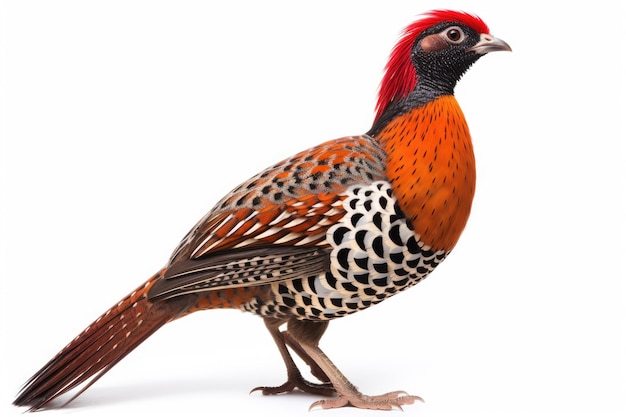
[99,396]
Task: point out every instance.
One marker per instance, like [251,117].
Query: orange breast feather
[432,169]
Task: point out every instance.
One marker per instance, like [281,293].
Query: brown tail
[101,345]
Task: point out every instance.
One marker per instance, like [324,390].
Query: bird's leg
[316,371]
[294,377]
[307,335]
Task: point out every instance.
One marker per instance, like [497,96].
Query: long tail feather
[101,346]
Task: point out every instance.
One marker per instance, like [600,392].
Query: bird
[320,235]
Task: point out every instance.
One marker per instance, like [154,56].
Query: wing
[273,226]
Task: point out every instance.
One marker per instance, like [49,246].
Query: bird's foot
[298,382]
[377,402]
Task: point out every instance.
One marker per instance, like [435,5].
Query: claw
[325,389]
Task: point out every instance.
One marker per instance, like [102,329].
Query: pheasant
[328,232]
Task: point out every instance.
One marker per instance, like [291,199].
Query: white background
[123,122]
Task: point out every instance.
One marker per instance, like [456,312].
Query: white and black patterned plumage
[374,255]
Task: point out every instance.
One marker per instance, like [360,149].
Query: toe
[379,402]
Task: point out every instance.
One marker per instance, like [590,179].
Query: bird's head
[434,52]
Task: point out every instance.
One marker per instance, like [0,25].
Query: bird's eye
[455,34]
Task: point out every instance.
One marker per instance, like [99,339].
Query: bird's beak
[488,43]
